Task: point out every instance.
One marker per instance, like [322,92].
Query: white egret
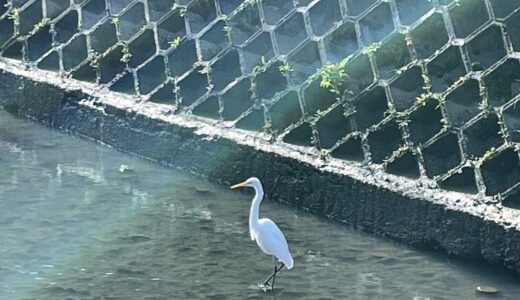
[266,233]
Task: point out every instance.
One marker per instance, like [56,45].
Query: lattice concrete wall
[426,89]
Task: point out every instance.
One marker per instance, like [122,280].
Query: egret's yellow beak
[238,185]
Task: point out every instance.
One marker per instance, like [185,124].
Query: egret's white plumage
[264,231]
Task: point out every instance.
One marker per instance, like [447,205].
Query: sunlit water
[72,226]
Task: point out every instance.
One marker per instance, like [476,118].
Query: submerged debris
[137,238]
[200,189]
[125,168]
[487,289]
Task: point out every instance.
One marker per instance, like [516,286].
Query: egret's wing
[273,231]
[273,241]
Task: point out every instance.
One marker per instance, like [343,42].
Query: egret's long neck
[255,206]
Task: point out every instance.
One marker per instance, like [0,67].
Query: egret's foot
[265,287]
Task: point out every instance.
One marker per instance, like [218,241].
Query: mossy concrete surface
[415,212]
[424,89]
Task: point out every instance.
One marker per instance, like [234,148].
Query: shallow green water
[74,227]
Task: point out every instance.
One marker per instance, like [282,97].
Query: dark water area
[79,220]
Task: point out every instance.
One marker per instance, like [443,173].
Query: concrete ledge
[365,197]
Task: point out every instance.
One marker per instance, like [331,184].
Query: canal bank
[414,212]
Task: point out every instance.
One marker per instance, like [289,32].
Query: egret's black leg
[276,270]
[266,282]
[274,276]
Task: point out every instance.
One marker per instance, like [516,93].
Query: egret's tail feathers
[288,262]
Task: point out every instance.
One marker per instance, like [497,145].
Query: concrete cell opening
[359,74]
[429,36]
[304,62]
[103,37]
[6,30]
[159,8]
[92,12]
[289,34]
[182,58]
[425,122]
[384,141]
[258,48]
[332,127]
[171,28]
[193,86]
[442,155]
[511,117]
[462,104]
[66,27]
[462,180]
[445,69]
[270,82]
[503,82]
[225,70]
[14,51]
[317,98]
[200,13]
[125,84]
[85,72]
[377,24]
[355,7]
[75,52]
[165,95]
[116,6]
[478,48]
[468,16]
[275,10]
[209,108]
[39,43]
[228,6]
[512,200]
[411,10]
[111,65]
[142,48]
[301,135]
[341,42]
[406,88]
[501,172]
[513,30]
[245,24]
[286,111]
[131,21]
[371,108]
[237,100]
[151,75]
[482,136]
[29,17]
[254,120]
[502,9]
[324,15]
[51,62]
[352,150]
[392,56]
[56,7]
[214,41]
[405,165]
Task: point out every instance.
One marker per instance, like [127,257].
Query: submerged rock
[201,189]
[138,238]
[486,289]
